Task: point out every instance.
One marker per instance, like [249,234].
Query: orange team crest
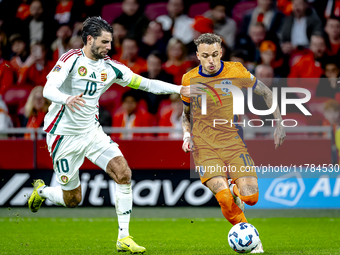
[103,75]
[82,71]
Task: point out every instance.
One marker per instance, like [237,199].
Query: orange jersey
[219,104]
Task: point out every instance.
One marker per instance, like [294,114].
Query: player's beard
[95,52]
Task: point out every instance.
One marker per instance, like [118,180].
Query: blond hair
[174,41]
[29,106]
[208,38]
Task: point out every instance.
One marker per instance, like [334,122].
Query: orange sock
[236,191]
[229,209]
[249,200]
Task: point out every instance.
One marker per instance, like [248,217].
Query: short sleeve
[247,79]
[63,67]
[185,82]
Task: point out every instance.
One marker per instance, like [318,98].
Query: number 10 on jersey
[91,88]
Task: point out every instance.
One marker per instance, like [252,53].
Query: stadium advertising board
[175,188]
[293,191]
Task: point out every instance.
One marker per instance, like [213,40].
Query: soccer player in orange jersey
[221,148]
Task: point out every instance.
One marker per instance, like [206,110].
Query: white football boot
[258,249]
[237,200]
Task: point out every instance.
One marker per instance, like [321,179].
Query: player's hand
[279,136]
[192,90]
[186,147]
[74,101]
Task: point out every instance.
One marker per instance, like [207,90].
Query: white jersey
[80,74]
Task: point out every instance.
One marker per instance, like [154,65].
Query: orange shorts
[231,161]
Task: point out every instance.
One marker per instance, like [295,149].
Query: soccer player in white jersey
[74,86]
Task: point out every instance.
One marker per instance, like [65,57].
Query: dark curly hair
[94,26]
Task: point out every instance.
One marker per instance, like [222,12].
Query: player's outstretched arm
[279,134]
[160,87]
[186,129]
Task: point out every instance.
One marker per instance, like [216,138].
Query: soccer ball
[243,237]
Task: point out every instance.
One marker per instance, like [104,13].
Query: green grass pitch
[32,235]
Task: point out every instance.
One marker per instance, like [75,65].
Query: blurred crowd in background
[274,40]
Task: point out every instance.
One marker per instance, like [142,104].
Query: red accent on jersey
[55,142]
[67,54]
[68,57]
[49,128]
[114,61]
[70,53]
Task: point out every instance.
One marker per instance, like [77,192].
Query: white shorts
[69,151]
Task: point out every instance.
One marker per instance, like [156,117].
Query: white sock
[54,194]
[123,208]
[231,187]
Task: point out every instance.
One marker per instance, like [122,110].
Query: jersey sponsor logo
[56,68]
[64,179]
[103,75]
[82,71]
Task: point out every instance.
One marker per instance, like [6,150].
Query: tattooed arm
[279,134]
[186,128]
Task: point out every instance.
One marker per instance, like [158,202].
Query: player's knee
[71,204]
[249,189]
[74,201]
[124,177]
[119,170]
[251,199]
